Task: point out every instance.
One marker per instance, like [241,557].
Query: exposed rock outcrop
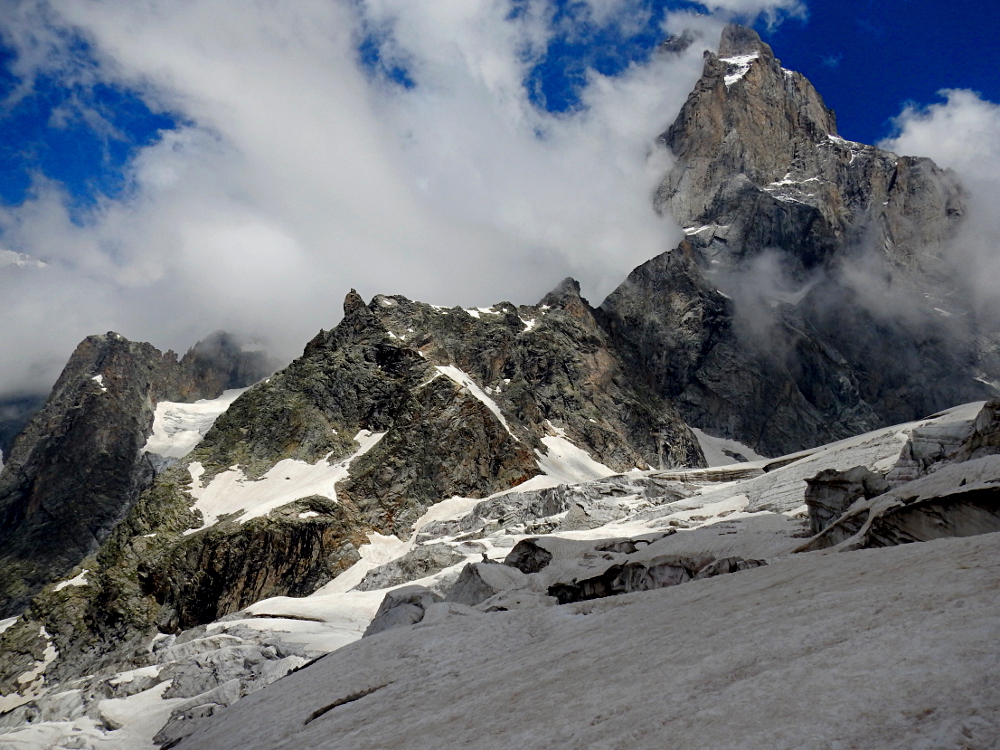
[424,560]
[647,575]
[401,607]
[76,468]
[830,493]
[805,304]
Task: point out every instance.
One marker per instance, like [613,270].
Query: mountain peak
[759,165]
[737,41]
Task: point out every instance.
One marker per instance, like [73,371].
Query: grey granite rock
[424,560]
[805,304]
[401,607]
[480,581]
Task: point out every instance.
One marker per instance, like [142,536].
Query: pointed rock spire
[759,165]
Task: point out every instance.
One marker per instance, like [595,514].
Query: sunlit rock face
[760,166]
[812,298]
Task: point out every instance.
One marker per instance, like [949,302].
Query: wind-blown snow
[179,427]
[462,379]
[288,480]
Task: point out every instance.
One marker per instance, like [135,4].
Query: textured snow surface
[891,648]
[140,716]
[288,480]
[178,428]
[718,451]
[880,649]
[783,490]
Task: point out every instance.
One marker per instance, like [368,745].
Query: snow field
[890,648]
[288,480]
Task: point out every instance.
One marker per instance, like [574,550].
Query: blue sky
[868,58]
[242,164]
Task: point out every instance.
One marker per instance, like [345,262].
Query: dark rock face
[528,556]
[231,566]
[424,560]
[647,575]
[76,468]
[830,493]
[396,366]
[15,413]
[828,257]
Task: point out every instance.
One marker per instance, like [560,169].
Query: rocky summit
[724,508]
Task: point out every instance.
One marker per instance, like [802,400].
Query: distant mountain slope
[76,468]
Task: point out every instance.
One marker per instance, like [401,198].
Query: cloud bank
[300,171]
[962,133]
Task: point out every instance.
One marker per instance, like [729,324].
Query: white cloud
[962,133]
[299,176]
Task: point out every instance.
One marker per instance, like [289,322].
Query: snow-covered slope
[773,657]
[892,648]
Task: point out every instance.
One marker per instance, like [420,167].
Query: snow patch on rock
[723,452]
[737,67]
[78,580]
[288,480]
[179,427]
[462,379]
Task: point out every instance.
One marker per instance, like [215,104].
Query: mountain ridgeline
[76,468]
[811,300]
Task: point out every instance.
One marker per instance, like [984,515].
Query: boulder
[401,607]
[480,581]
[528,556]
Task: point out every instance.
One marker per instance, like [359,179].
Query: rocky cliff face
[760,166]
[444,402]
[465,399]
[77,468]
[805,304]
